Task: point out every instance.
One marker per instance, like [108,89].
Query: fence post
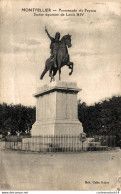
[76,143]
[72,144]
[114,141]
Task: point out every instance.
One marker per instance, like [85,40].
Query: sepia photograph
[60,95]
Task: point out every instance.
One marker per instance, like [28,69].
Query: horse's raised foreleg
[70,65]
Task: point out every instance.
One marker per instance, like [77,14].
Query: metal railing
[62,143]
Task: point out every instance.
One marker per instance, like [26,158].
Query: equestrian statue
[59,55]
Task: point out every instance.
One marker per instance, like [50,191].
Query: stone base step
[94,144]
[99,148]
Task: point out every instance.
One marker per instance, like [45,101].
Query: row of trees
[103,118]
[16,119]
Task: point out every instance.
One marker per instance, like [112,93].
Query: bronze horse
[61,60]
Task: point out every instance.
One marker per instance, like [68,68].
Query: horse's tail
[45,69]
[43,73]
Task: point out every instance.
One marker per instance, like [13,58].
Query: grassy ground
[59,171]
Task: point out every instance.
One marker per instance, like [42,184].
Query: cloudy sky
[95,51]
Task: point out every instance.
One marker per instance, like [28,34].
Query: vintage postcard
[60,95]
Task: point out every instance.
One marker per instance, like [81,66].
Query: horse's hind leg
[59,69]
[51,75]
[54,71]
[59,74]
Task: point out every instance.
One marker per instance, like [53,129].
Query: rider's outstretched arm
[51,38]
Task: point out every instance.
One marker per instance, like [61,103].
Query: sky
[95,51]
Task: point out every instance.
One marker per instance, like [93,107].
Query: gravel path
[59,171]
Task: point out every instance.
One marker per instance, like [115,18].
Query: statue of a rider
[54,46]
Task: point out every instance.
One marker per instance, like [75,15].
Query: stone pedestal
[56,110]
